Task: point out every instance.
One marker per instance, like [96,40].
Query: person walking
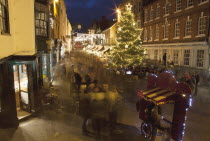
[197,78]
[87,80]
[78,81]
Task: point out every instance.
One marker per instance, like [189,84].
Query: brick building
[180,30]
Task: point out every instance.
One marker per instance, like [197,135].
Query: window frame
[176,57]
[177,29]
[157,33]
[145,15]
[190,3]
[167,8]
[187,57]
[156,54]
[158,11]
[4,18]
[200,58]
[165,30]
[178,5]
[41,24]
[151,14]
[145,35]
[202,25]
[188,29]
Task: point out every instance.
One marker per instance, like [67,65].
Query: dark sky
[84,11]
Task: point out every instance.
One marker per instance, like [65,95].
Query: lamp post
[118,15]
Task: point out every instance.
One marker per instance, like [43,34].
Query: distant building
[179,29]
[110,35]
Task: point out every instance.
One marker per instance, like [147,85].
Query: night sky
[84,11]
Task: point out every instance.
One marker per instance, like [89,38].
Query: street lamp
[118,15]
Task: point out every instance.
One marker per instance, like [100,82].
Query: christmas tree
[128,51]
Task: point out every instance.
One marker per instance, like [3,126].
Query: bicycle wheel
[146,129]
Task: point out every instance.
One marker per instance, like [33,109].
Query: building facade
[18,67]
[178,29]
[31,34]
[110,35]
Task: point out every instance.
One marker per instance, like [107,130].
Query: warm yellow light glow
[118,10]
[56,0]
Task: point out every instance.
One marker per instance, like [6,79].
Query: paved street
[63,124]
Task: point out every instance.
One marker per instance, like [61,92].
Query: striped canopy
[157,95]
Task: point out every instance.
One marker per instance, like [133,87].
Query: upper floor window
[157,32]
[151,14]
[151,34]
[134,9]
[4,16]
[167,8]
[139,6]
[145,16]
[202,23]
[189,3]
[41,19]
[188,27]
[165,32]
[177,28]
[158,11]
[145,34]
[178,5]
[202,1]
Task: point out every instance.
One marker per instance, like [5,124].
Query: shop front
[19,96]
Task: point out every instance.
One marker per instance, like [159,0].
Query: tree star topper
[128,7]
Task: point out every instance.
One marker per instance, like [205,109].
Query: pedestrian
[87,80]
[197,78]
[78,81]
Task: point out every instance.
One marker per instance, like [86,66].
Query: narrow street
[61,122]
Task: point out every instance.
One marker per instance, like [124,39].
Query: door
[21,73]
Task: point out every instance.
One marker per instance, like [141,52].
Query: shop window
[202,23]
[200,58]
[188,27]
[186,57]
[4,16]
[41,18]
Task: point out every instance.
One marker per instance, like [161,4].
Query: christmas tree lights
[128,50]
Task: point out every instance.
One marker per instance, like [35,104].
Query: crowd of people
[192,79]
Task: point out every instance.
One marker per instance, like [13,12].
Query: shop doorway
[22,95]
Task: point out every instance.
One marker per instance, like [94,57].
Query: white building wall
[193,47]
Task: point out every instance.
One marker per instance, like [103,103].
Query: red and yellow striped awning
[157,95]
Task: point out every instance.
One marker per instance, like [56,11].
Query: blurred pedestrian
[78,81]
[87,80]
[197,78]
